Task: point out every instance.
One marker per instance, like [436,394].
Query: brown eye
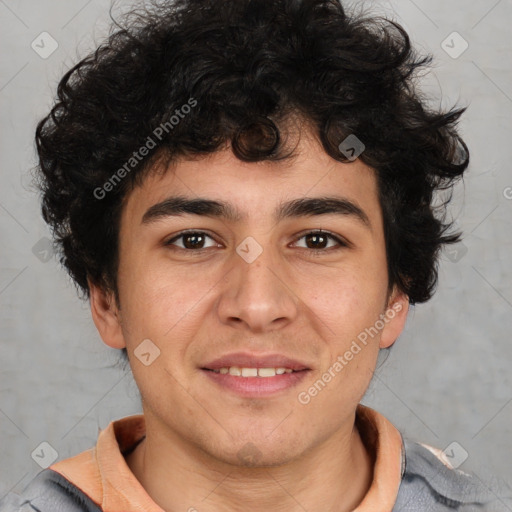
[319,240]
[316,241]
[194,240]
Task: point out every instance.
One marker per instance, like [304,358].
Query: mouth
[254,376]
[252,372]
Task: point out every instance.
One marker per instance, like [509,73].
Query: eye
[313,240]
[192,240]
[320,240]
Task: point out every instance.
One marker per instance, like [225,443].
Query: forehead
[254,189]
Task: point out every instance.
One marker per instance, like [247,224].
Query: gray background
[448,378]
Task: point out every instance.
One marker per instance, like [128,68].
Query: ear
[395,317]
[106,316]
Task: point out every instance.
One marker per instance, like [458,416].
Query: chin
[260,450]
[251,455]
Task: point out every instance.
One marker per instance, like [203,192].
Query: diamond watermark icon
[249,249]
[45,454]
[454,454]
[454,45]
[249,454]
[44,45]
[147,352]
[351,147]
[456,252]
[43,249]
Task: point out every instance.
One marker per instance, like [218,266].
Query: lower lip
[256,386]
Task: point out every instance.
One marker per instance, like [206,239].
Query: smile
[252,372]
[255,382]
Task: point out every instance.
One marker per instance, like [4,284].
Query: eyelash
[341,243]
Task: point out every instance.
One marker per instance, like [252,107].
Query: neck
[335,475]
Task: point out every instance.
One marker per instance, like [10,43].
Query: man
[243,190]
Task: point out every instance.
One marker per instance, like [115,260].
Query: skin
[305,303]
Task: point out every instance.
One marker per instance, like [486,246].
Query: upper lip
[247,360]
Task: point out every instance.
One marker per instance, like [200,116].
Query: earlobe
[106,316]
[395,318]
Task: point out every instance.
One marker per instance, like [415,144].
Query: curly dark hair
[246,66]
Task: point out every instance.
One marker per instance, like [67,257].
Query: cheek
[166,311]
[350,300]
[352,343]
[158,304]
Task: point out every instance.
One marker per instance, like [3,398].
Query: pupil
[316,240]
[193,240]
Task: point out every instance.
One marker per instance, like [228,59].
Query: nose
[256,296]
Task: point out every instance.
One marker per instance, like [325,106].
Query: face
[271,267]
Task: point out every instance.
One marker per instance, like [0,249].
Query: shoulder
[49,492]
[430,484]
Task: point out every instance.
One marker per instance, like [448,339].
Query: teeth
[266,372]
[253,372]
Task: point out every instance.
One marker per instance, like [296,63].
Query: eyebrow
[303,207]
